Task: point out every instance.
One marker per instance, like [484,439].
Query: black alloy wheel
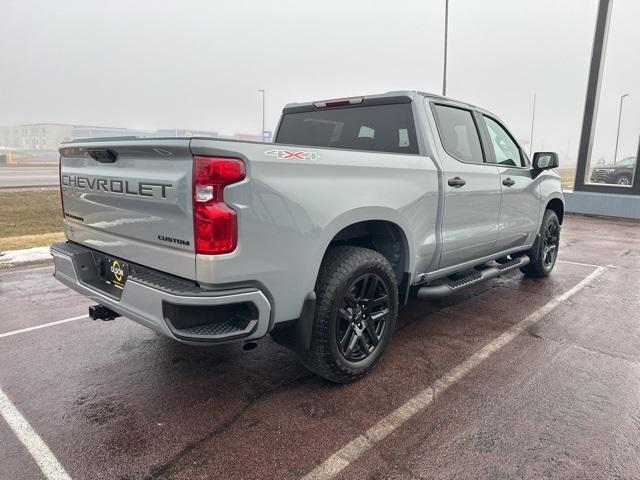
[623,180]
[362,317]
[544,252]
[551,242]
[355,313]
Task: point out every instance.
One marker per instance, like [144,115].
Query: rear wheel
[544,252]
[356,308]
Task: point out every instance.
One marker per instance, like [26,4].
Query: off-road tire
[341,267]
[537,267]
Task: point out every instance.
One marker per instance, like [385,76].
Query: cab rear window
[377,128]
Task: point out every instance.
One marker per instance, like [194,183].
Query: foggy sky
[198,64]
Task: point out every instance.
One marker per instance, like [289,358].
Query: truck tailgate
[131,199]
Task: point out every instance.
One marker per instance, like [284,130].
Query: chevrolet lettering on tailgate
[115,185]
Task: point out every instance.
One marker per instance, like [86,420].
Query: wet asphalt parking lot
[515,378]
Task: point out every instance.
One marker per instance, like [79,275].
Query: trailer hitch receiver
[100,312]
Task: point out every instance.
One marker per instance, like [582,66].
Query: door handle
[507,182]
[456,182]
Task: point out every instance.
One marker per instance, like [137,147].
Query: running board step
[449,286]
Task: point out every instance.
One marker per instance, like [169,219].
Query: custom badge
[291,155]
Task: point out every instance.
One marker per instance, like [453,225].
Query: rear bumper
[169,305]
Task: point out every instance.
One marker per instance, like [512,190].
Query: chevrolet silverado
[317,238]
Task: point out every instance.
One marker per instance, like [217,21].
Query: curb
[12,258]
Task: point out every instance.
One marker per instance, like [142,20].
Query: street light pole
[533,119]
[263,95]
[446,39]
[615,152]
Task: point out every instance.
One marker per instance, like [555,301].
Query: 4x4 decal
[292,155]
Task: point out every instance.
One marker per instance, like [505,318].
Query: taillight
[215,224]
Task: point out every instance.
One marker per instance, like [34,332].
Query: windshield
[627,162]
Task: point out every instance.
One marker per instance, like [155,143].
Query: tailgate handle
[103,155]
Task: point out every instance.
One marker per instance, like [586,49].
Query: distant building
[249,137]
[181,132]
[47,136]
[83,131]
[37,136]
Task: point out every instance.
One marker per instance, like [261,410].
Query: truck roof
[394,93]
[394,96]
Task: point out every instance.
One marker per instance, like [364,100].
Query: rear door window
[378,128]
[458,133]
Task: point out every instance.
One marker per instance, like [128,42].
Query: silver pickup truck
[317,238]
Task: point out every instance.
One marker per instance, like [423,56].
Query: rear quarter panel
[289,210]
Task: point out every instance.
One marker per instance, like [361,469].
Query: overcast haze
[198,65]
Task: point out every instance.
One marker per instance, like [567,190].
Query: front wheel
[356,309]
[544,252]
[624,180]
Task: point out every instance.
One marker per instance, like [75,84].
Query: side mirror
[545,160]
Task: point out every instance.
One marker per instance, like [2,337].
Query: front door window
[506,152]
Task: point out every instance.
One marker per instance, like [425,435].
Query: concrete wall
[608,204]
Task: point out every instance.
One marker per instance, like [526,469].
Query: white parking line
[582,264]
[46,460]
[45,325]
[359,445]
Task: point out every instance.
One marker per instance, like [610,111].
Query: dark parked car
[620,173]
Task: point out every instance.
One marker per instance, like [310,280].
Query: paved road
[28,176]
[559,398]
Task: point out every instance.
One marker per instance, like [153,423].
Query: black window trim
[394,100]
[524,159]
[475,122]
[366,101]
